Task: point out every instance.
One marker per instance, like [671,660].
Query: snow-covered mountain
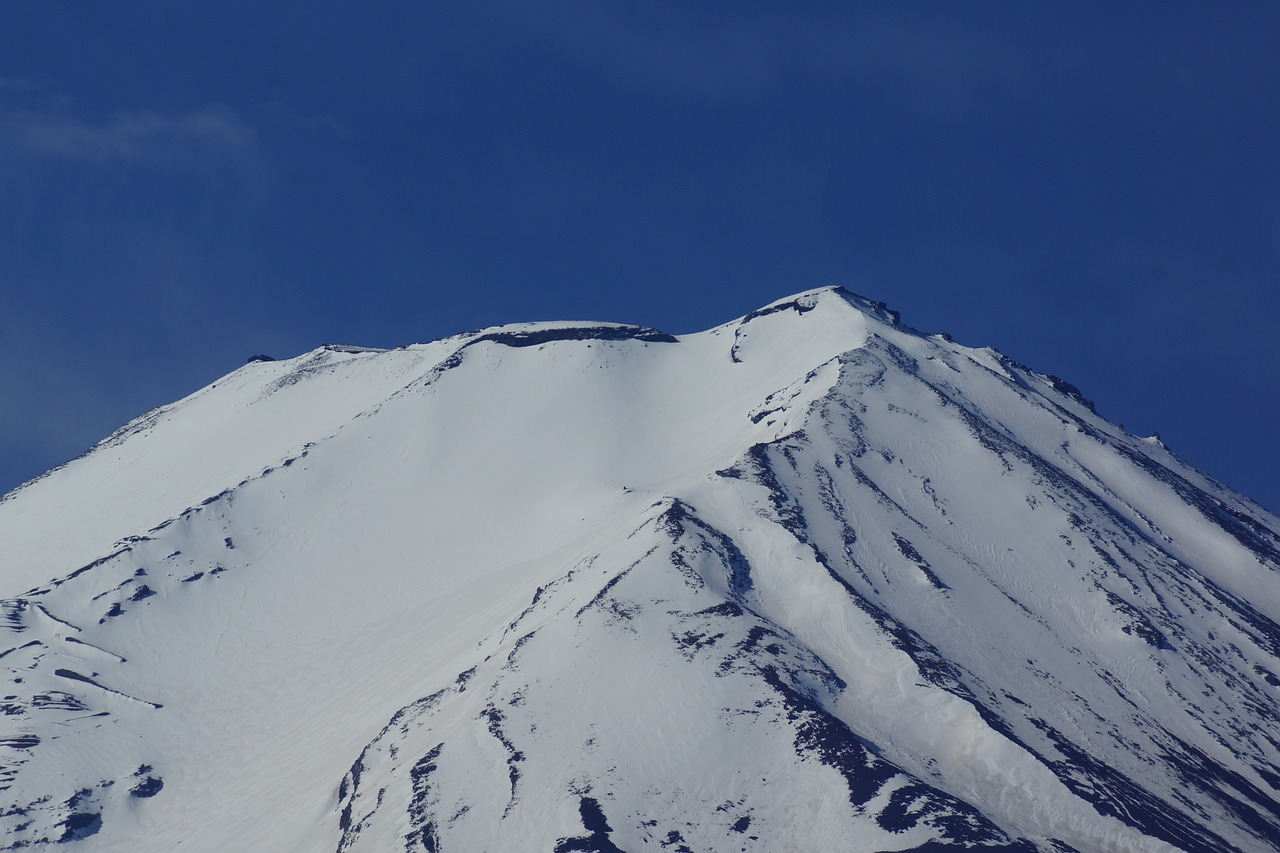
[808,581]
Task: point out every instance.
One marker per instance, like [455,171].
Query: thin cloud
[747,56]
[318,123]
[696,57]
[143,135]
[18,84]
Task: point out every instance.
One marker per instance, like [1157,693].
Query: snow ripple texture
[811,580]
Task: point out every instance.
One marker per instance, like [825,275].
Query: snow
[807,580]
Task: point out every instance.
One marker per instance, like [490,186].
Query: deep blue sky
[1091,187]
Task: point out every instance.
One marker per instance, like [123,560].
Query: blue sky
[1092,188]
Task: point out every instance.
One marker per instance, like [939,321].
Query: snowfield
[808,581]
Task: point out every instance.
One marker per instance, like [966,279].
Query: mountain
[807,581]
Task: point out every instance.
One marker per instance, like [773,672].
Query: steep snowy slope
[807,581]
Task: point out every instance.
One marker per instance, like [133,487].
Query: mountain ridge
[577,586]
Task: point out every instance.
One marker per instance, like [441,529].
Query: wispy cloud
[744,56]
[173,141]
[694,56]
[18,84]
[291,118]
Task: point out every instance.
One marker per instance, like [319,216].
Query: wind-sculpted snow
[662,623]
[67,693]
[811,580]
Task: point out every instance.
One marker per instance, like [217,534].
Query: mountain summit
[807,581]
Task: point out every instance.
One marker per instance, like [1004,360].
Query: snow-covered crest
[809,580]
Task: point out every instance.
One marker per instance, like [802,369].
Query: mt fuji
[808,581]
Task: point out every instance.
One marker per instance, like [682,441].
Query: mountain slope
[810,580]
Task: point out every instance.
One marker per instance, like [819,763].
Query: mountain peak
[581,585]
[808,300]
[538,333]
